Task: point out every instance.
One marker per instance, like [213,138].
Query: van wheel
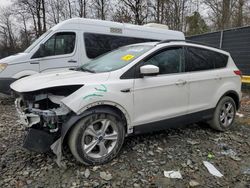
[96,139]
[224,114]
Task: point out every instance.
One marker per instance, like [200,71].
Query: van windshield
[37,41]
[116,59]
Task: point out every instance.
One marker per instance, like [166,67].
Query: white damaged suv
[134,89]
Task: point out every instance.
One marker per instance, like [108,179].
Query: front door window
[169,60]
[59,44]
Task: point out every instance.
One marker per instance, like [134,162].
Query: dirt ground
[142,160]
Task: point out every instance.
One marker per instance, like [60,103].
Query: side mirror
[149,70]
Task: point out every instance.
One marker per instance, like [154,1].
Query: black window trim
[129,73]
[214,69]
[61,55]
[135,68]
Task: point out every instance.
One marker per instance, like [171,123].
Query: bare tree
[122,14]
[157,10]
[36,8]
[82,11]
[139,9]
[9,40]
[56,11]
[69,8]
[25,34]
[43,15]
[100,8]
[225,20]
[170,12]
[239,18]
[222,12]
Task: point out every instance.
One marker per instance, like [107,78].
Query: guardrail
[245,79]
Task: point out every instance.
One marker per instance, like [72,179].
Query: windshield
[116,59]
[37,41]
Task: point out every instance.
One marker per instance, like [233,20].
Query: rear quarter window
[220,60]
[199,59]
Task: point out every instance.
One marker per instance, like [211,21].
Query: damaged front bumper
[39,140]
[43,126]
[26,119]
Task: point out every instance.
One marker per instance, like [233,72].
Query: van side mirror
[149,70]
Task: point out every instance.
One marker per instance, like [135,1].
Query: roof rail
[189,41]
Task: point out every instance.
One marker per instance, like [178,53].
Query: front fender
[93,95]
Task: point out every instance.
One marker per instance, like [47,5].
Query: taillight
[238,72]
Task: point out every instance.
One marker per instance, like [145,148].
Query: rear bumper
[5,85]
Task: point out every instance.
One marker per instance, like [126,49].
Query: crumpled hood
[57,78]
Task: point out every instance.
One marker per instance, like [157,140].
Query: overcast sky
[4,3]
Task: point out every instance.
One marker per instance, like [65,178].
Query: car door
[59,51]
[163,96]
[203,78]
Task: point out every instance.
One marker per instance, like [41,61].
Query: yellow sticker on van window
[127,57]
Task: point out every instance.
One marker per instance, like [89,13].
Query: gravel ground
[141,162]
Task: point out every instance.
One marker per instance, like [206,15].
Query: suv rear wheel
[224,114]
[96,139]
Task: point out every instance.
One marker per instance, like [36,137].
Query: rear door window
[199,59]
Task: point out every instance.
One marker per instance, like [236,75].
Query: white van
[74,42]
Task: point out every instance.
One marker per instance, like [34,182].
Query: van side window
[59,44]
[169,60]
[199,59]
[98,44]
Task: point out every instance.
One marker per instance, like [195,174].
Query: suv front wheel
[97,138]
[224,114]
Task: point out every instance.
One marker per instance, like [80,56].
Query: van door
[163,96]
[59,51]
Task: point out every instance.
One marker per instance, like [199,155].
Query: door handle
[72,61]
[181,82]
[34,62]
[127,90]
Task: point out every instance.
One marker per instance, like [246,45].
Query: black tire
[218,124]
[79,135]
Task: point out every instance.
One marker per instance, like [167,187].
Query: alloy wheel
[100,138]
[227,114]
